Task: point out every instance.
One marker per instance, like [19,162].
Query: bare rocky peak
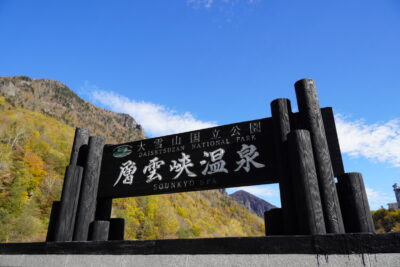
[7,87]
[55,99]
[251,202]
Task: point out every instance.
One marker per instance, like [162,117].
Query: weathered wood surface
[354,203]
[281,113]
[69,204]
[310,113]
[88,195]
[55,209]
[310,216]
[297,123]
[312,244]
[273,221]
[333,141]
[117,229]
[81,139]
[99,230]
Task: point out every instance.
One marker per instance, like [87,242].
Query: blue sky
[199,63]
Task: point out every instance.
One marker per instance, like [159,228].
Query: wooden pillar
[117,229]
[90,183]
[308,202]
[64,221]
[81,139]
[354,203]
[281,112]
[55,210]
[99,230]
[333,141]
[311,116]
[69,202]
[273,221]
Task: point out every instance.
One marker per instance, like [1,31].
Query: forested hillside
[34,151]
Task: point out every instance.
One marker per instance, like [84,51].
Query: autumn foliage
[34,151]
[386,220]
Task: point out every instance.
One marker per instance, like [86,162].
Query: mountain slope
[34,150]
[54,99]
[251,202]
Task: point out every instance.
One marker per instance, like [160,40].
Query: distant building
[396,189]
[393,206]
[396,205]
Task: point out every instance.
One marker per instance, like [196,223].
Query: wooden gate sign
[300,151]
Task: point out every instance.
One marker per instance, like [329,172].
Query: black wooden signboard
[219,157]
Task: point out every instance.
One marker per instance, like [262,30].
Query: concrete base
[309,260]
[324,250]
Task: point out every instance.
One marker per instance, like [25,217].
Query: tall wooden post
[78,147]
[281,112]
[55,211]
[90,183]
[69,203]
[309,210]
[311,116]
[333,141]
[354,203]
[64,223]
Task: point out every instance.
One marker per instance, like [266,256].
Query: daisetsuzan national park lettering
[217,157]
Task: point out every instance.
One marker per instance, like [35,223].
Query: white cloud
[377,199]
[260,191]
[157,120]
[203,3]
[378,142]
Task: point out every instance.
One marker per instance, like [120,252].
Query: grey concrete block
[225,260]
